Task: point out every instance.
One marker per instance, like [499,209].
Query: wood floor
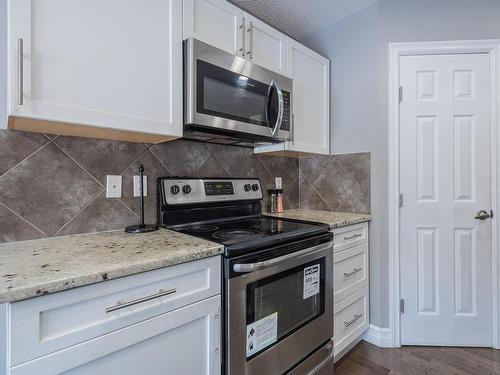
[366,358]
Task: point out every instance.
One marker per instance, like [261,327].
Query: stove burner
[203,228]
[234,234]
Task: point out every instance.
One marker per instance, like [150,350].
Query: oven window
[281,304]
[223,93]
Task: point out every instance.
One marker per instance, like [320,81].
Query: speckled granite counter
[333,219]
[38,267]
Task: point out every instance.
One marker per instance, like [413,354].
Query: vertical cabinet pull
[250,41]
[242,27]
[20,69]
[218,350]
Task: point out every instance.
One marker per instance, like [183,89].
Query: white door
[264,45]
[445,181]
[182,342]
[215,22]
[109,64]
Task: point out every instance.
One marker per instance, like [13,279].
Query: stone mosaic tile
[100,215]
[14,228]
[47,189]
[101,157]
[16,146]
[182,158]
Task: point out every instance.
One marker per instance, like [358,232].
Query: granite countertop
[333,219]
[37,267]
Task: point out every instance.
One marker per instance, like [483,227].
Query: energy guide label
[311,281]
[262,333]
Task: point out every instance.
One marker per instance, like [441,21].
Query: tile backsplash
[55,185]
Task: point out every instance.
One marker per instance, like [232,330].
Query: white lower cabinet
[166,321]
[351,286]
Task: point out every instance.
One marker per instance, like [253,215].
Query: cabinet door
[183,342]
[215,22]
[264,45]
[109,64]
[311,99]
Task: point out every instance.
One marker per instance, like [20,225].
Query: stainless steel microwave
[230,100]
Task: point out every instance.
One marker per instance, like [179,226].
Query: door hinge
[400,94]
[402,306]
[401,201]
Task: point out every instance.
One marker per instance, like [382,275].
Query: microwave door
[274,108]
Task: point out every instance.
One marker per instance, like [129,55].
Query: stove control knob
[186,189]
[174,189]
[255,187]
[248,187]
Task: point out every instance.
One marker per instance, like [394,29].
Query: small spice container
[273,201]
[279,200]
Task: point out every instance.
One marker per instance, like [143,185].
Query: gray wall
[357,46]
[3,62]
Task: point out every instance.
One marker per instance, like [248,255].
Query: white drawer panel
[349,236]
[350,271]
[43,325]
[350,319]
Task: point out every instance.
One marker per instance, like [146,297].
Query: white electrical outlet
[113,186]
[279,183]
[137,185]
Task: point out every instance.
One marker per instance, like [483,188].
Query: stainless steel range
[278,288]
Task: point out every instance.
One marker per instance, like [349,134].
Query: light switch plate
[113,186]
[137,184]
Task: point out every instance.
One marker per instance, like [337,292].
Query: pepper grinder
[141,227]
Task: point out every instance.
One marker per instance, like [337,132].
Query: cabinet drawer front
[182,342]
[350,271]
[350,236]
[43,325]
[351,319]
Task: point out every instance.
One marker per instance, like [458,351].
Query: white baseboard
[380,337]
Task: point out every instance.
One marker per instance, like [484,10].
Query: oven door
[230,94]
[279,311]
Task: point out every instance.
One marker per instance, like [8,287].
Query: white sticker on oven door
[311,281]
[262,333]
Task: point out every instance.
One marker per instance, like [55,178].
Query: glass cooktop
[253,232]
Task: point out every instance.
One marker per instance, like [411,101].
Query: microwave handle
[252,267]
[279,120]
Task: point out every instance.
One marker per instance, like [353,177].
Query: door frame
[490,47]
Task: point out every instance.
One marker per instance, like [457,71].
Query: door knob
[482,215]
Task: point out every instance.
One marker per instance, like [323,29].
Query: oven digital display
[219,188]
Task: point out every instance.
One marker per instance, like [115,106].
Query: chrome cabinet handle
[218,350]
[252,267]
[242,26]
[293,128]
[20,71]
[354,271]
[353,236]
[482,215]
[122,305]
[250,41]
[356,317]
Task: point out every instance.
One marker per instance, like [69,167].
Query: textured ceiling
[300,17]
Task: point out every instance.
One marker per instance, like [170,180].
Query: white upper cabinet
[311,103]
[225,26]
[113,67]
[264,45]
[215,22]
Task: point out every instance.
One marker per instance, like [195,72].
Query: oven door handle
[252,267]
